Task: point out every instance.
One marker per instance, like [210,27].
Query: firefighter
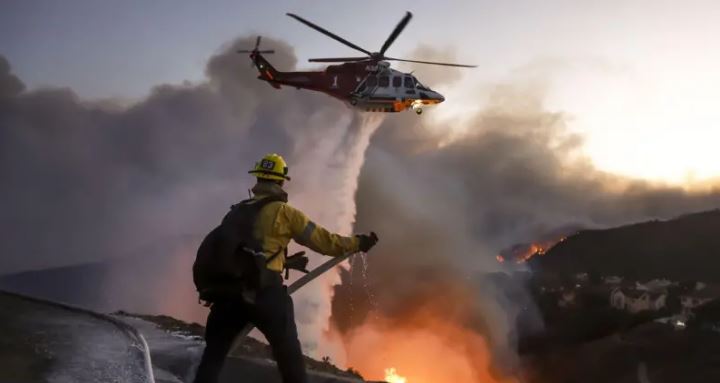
[271,310]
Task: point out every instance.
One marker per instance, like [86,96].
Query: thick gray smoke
[88,182]
[85,182]
[434,75]
[444,213]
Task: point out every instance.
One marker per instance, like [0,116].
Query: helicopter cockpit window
[371,81]
[421,86]
[397,81]
[384,81]
[409,83]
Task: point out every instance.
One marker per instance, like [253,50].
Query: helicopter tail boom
[267,71]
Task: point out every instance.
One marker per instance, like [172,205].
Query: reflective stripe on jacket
[279,222]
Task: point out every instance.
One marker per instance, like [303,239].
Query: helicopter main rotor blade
[327,33]
[396,32]
[431,63]
[339,59]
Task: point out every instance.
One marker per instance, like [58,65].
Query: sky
[637,79]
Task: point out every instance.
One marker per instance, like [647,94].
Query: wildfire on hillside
[523,253]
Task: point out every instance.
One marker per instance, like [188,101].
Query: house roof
[708,292]
[656,294]
[630,293]
[635,294]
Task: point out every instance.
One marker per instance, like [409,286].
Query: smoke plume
[444,212]
[92,182]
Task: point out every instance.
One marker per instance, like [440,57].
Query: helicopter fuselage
[366,85]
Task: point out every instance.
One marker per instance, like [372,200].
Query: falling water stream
[329,162]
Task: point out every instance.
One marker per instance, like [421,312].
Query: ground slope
[684,249]
[46,342]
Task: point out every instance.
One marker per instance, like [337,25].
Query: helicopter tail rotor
[257,48]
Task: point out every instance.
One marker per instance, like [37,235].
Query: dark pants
[273,315]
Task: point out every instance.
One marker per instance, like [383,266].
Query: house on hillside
[697,298]
[655,285]
[635,301]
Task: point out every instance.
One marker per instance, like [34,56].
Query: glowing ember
[500,258]
[534,249]
[391,376]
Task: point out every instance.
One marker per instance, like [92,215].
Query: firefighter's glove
[297,261]
[367,241]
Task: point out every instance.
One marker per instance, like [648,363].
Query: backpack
[230,262]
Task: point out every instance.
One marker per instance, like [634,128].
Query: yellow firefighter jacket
[279,222]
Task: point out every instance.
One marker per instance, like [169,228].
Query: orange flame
[538,248]
[428,344]
[391,376]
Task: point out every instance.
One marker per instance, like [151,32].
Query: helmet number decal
[267,164]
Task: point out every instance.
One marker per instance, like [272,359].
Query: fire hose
[295,286]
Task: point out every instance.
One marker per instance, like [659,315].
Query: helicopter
[367,83]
